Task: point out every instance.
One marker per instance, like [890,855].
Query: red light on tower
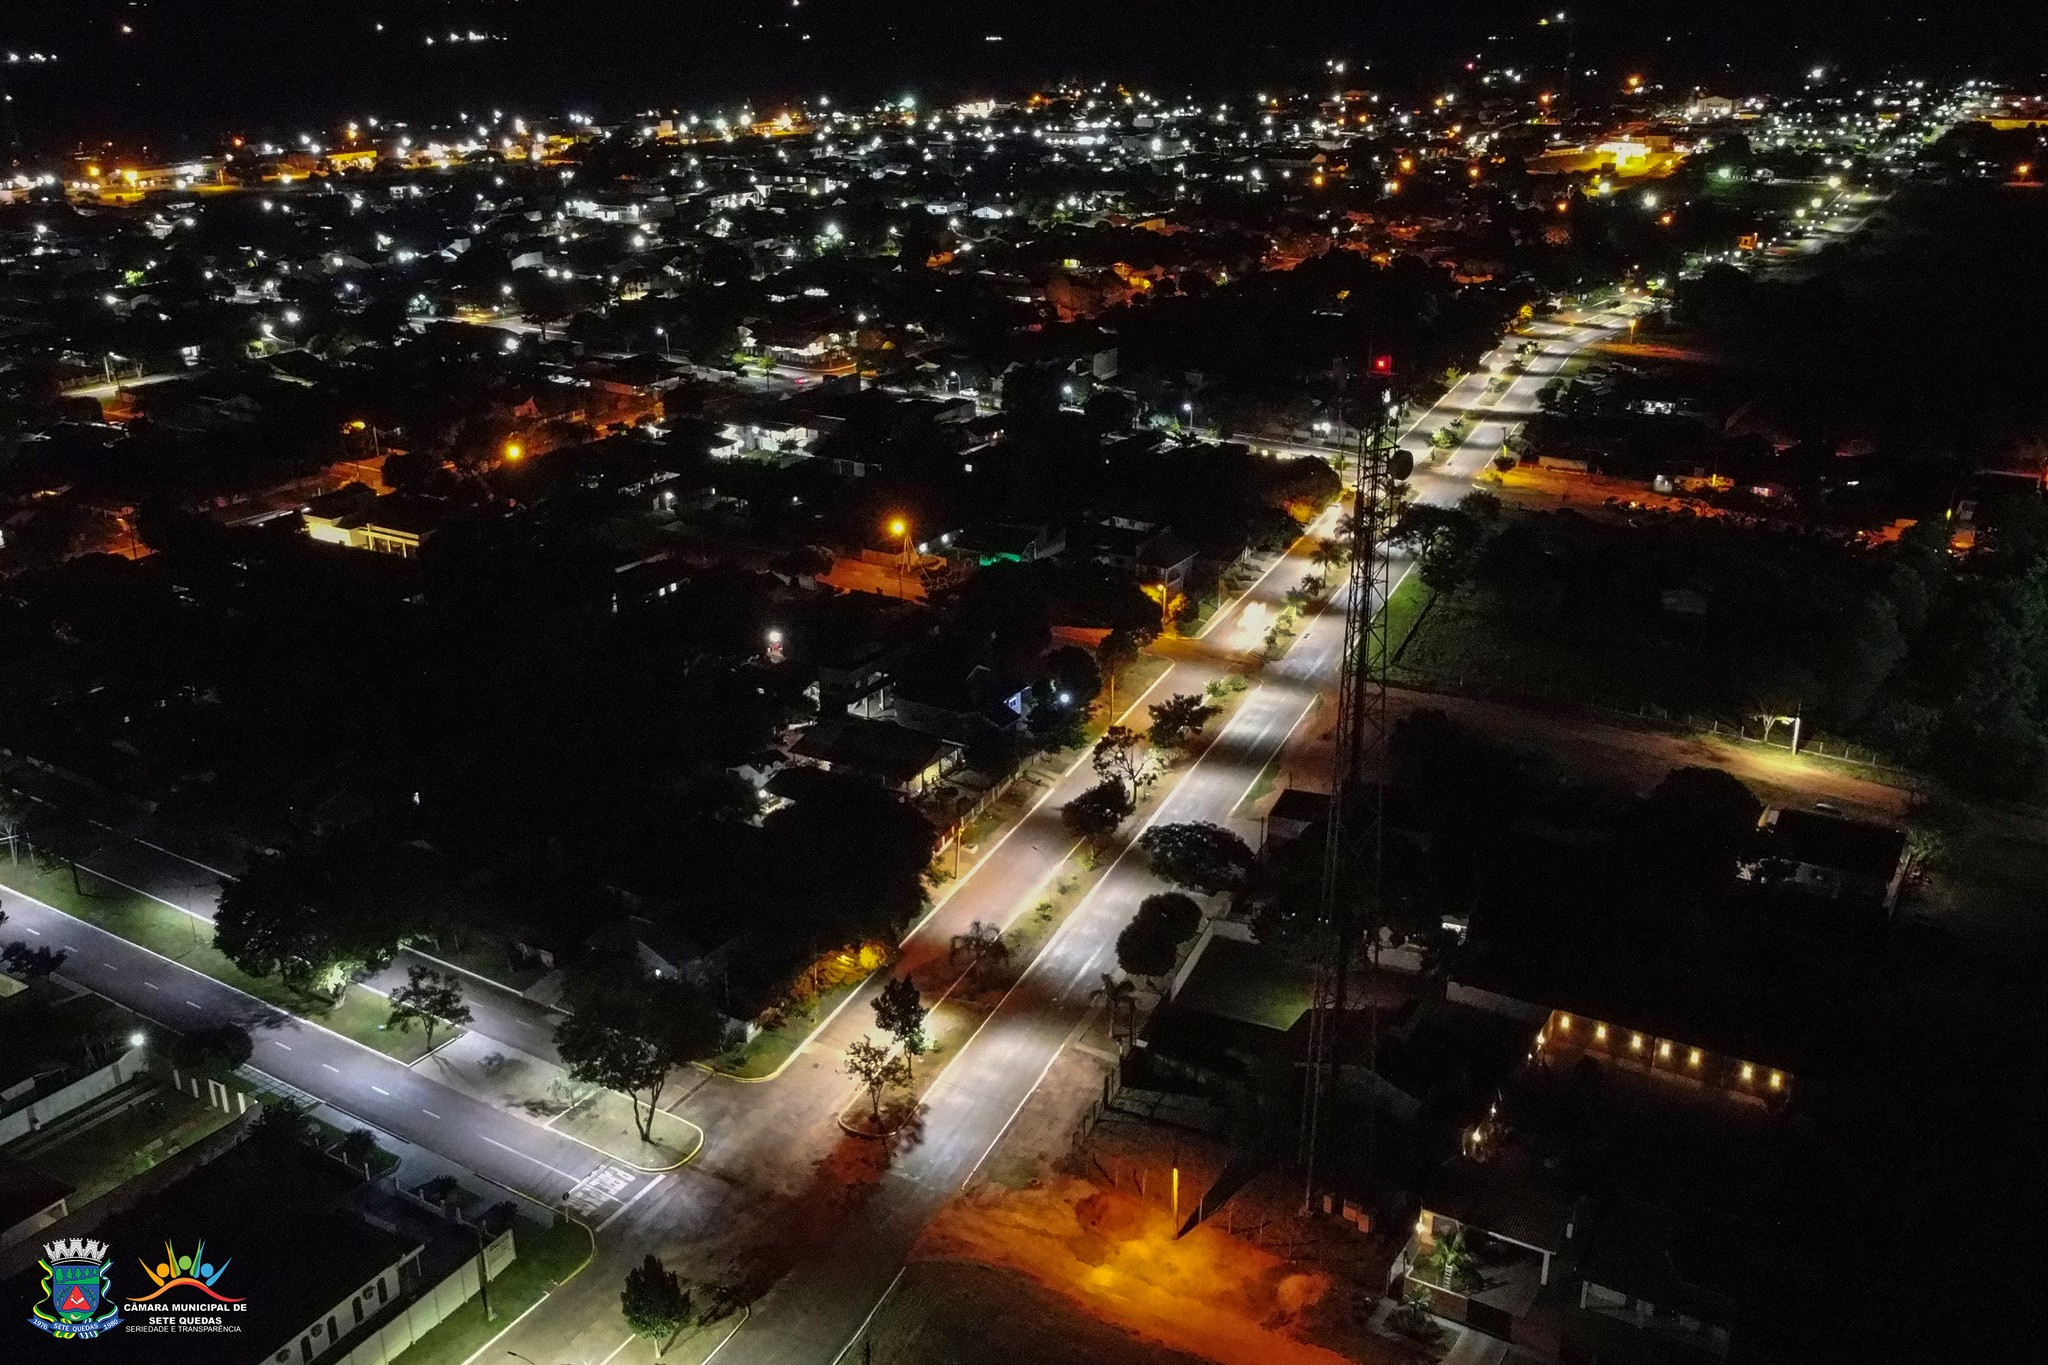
[1383,364]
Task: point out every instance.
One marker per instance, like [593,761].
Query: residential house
[1830,856]
[906,761]
[1151,553]
[394,524]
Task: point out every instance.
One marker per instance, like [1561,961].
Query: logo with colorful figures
[76,1279]
[184,1271]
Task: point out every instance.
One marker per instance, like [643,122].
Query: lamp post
[900,526]
[483,1273]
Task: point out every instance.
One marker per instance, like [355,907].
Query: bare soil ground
[954,1313]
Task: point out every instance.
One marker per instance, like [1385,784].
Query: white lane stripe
[864,1322]
[152,985]
[286,1046]
[193,1003]
[535,1160]
[378,1088]
[37,932]
[332,1067]
[430,1113]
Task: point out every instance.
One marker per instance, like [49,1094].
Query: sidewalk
[543,1093]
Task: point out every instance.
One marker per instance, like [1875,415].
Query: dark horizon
[189,70]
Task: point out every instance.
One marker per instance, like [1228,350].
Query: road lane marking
[534,1159]
[194,1004]
[637,1196]
[332,1067]
[37,932]
[286,1046]
[152,985]
[861,1331]
[110,966]
[429,1113]
[378,1088]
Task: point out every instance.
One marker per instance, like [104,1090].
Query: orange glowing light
[514,451]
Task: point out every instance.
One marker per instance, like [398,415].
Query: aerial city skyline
[821,683]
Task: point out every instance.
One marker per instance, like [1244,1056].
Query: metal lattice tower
[1355,836]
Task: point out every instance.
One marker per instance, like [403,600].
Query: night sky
[199,66]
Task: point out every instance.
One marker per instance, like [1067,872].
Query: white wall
[81,1091]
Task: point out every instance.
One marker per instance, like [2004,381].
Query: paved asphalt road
[814,1312]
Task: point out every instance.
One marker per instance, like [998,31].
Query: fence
[1646,716]
[433,1305]
[48,1108]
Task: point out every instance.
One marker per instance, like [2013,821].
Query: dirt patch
[1114,1257]
[951,1313]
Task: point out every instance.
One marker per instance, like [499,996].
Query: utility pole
[1355,832]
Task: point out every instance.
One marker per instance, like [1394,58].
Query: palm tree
[1330,554]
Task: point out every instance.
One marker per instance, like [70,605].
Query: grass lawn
[1140,674]
[547,1257]
[1404,613]
[118,1149]
[359,1014]
[1259,790]
[771,1047]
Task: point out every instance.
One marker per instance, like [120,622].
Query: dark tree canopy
[1690,828]
[1177,915]
[1146,947]
[1099,812]
[1199,856]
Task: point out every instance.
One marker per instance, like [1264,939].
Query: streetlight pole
[483,1275]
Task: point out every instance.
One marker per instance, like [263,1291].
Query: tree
[308,919]
[226,1046]
[983,944]
[654,1301]
[1180,718]
[1146,947]
[1330,554]
[900,1013]
[1691,828]
[876,1068]
[1097,813]
[627,1033]
[429,998]
[1199,856]
[282,1120]
[1177,915]
[1118,650]
[31,964]
[357,1147]
[1074,675]
[1120,757]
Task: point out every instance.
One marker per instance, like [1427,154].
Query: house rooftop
[877,748]
[1246,983]
[286,1270]
[1508,1195]
[1834,841]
